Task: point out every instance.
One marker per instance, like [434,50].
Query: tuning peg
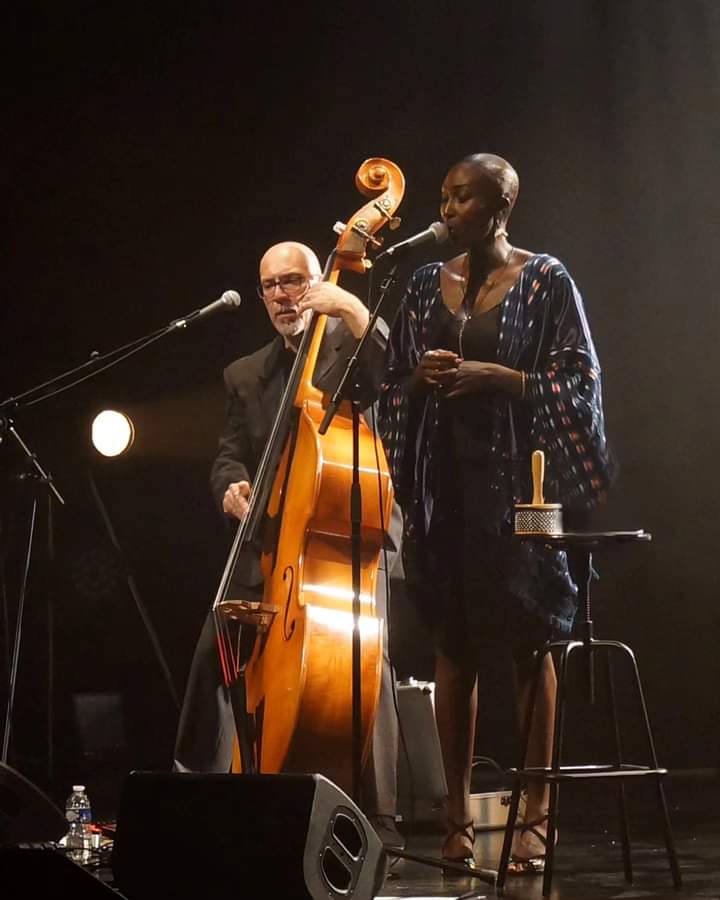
[384,207]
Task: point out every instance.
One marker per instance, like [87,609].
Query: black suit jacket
[254,385]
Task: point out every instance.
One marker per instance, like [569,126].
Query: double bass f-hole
[288,630]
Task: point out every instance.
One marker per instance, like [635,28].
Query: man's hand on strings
[235,500]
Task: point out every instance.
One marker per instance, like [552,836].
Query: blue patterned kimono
[543,331]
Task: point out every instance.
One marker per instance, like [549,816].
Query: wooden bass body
[300,675]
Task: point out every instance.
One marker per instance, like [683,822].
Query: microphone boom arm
[111,358]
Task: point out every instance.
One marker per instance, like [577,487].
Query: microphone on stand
[229,300]
[437,232]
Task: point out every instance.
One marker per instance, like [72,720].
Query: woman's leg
[539,749]
[456,711]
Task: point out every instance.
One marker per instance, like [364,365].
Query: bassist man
[291,289]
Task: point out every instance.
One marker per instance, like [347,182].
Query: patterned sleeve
[401,359]
[565,396]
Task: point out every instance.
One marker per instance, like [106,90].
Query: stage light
[112,432]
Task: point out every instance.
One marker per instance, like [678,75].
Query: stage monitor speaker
[243,836]
[28,872]
[27,815]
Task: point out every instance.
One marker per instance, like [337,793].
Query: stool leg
[559,725]
[662,803]
[558,733]
[517,785]
[669,842]
[509,831]
[551,834]
[622,804]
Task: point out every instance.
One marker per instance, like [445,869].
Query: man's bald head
[287,256]
[286,271]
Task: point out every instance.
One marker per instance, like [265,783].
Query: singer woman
[490,358]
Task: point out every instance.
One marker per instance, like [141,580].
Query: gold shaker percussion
[538,517]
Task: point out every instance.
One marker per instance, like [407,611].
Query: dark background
[151,154]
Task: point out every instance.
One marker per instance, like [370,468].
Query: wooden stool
[619,771]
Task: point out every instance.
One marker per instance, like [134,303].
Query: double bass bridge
[255,613]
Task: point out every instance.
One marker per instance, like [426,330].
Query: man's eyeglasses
[291,285]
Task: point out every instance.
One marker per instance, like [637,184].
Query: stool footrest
[576,773]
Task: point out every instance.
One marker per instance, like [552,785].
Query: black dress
[470,566]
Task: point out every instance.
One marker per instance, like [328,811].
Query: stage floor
[588,861]
[588,858]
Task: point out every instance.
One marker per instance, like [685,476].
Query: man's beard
[290,328]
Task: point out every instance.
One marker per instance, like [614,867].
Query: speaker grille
[338,876]
[347,833]
[188,836]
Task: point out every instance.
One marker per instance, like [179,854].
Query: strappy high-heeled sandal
[529,846]
[464,837]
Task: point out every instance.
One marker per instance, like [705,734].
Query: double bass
[288,659]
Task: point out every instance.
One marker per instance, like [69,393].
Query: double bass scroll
[294,656]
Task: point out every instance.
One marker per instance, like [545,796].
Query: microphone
[229,300]
[437,232]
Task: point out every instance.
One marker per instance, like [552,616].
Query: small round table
[583,545]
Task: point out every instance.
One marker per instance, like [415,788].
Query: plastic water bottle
[79,818]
